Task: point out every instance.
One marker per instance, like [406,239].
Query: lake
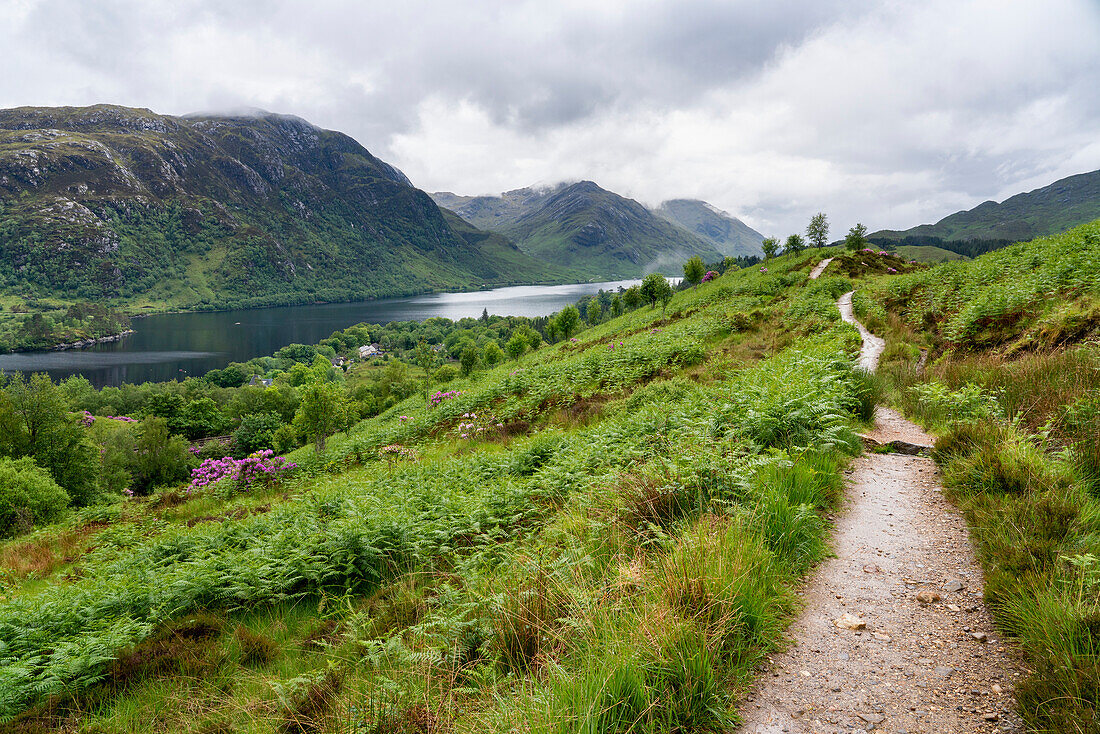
[178,345]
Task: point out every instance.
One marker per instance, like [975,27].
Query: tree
[158,458]
[795,244]
[593,312]
[28,496]
[517,345]
[770,246]
[42,427]
[201,418]
[632,297]
[569,321]
[817,231]
[257,432]
[492,354]
[654,287]
[694,270]
[322,412]
[469,360]
[617,305]
[857,237]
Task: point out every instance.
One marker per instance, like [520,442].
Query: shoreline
[83,343]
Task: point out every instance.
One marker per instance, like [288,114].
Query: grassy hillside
[134,209]
[927,254]
[1011,386]
[1063,204]
[604,534]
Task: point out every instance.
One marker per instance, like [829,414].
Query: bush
[257,432]
[28,496]
[444,374]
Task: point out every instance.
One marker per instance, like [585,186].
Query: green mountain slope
[585,227]
[729,235]
[144,209]
[1049,210]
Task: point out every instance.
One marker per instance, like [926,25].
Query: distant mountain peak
[728,233]
[582,225]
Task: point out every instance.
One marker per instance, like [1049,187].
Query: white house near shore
[369,350]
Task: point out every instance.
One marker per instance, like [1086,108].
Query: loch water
[177,345]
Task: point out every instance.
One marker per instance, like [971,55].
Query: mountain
[1049,210]
[205,211]
[729,234]
[584,227]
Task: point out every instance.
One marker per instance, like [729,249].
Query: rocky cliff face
[208,210]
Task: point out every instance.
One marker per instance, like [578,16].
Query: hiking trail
[894,635]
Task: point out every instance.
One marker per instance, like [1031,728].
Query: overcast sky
[888,112]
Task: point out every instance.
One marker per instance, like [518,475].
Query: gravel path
[873,346]
[820,268]
[894,636]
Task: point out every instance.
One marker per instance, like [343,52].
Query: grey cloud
[874,109]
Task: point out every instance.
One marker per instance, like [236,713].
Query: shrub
[28,496]
[990,457]
[257,432]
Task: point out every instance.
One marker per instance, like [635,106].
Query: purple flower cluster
[397,451]
[867,249]
[472,427]
[763,270]
[440,397]
[259,465]
[711,275]
[891,270]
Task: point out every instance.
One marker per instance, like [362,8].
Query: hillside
[125,205]
[1049,210]
[638,499]
[585,227]
[606,533]
[729,234]
[927,253]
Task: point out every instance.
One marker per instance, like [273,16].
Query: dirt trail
[820,268]
[873,346]
[894,636]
